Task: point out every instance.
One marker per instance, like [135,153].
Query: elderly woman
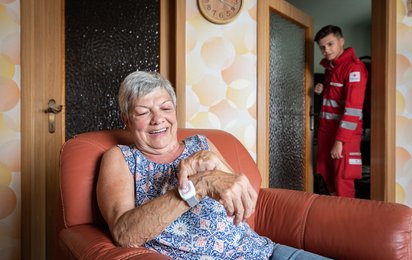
[141,187]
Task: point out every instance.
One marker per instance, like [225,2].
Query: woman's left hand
[200,161]
[233,191]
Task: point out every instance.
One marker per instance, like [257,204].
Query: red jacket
[343,96]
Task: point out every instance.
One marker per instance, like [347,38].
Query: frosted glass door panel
[105,40]
[287,104]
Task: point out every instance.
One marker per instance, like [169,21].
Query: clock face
[220,11]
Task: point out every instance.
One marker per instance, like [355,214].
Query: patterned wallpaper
[10,129]
[221,73]
[403,104]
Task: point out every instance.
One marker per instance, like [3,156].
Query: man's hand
[319,88]
[199,162]
[336,152]
[233,191]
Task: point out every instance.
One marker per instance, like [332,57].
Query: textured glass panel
[287,104]
[105,40]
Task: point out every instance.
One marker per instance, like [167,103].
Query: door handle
[52,110]
[312,115]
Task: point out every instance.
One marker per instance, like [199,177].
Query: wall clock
[220,11]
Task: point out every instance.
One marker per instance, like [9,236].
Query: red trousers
[339,174]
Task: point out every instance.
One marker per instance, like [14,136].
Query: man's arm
[355,95]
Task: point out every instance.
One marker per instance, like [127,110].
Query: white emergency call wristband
[188,194]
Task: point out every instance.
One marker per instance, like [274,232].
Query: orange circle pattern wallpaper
[404,103]
[10,129]
[221,73]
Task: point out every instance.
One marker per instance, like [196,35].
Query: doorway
[382,144]
[354,18]
[372,14]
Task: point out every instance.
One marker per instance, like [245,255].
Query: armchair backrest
[80,161]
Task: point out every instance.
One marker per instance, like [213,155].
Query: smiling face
[153,124]
[331,46]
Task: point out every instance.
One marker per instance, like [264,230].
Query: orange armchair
[339,228]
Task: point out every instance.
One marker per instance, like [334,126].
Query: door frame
[383,101]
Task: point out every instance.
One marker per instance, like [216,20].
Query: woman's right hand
[319,88]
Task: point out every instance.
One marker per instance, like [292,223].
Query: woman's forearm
[139,225]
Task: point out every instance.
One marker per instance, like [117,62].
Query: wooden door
[288,12]
[42,63]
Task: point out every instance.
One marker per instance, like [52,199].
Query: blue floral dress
[204,231]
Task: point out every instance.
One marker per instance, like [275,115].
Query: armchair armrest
[93,242]
[336,227]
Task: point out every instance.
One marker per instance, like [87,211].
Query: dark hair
[328,29]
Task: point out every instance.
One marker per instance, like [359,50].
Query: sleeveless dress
[204,231]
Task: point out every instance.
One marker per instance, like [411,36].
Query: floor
[362,186]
